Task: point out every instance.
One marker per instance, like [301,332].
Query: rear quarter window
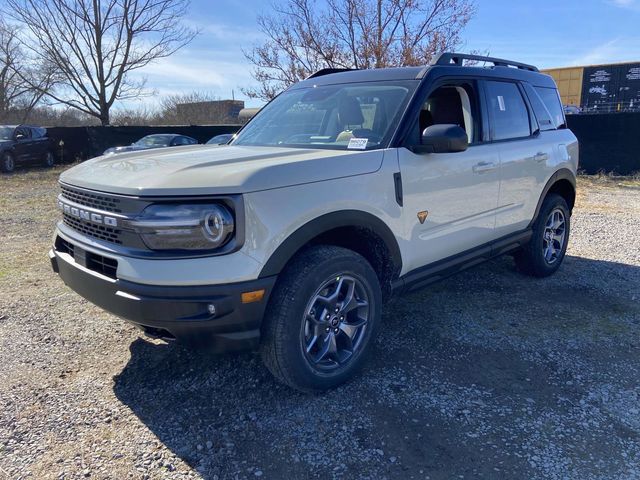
[543,116]
[551,100]
[38,132]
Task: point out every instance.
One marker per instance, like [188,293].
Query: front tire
[544,253]
[322,319]
[8,163]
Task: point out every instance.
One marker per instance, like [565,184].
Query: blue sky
[547,33]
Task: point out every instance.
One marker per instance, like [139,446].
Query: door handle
[541,157]
[484,167]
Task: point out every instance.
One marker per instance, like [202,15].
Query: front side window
[354,116]
[508,113]
[24,132]
[180,141]
[454,104]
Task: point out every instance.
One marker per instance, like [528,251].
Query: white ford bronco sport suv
[350,187]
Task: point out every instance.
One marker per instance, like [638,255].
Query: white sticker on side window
[357,143]
[503,108]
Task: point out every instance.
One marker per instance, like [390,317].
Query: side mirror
[442,139]
[20,136]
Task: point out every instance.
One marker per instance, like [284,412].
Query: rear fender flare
[562,174]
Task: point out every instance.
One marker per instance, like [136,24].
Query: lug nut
[337,309]
[328,329]
[336,331]
[341,317]
[327,317]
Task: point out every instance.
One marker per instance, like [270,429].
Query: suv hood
[207,170]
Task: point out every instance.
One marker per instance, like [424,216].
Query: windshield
[349,116]
[6,133]
[154,141]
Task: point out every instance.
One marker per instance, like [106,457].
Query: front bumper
[174,312]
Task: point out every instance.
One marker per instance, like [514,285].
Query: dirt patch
[488,374]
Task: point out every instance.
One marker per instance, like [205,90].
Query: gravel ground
[488,374]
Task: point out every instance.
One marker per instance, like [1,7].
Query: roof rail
[329,71]
[457,59]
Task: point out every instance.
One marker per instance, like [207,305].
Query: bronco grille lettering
[87,216]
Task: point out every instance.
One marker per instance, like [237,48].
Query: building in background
[600,88]
[209,113]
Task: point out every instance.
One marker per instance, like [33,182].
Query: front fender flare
[324,223]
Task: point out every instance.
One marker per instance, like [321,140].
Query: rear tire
[546,249]
[49,159]
[322,319]
[7,163]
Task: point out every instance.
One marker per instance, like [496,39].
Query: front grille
[93,200]
[113,235]
[97,263]
[104,265]
[63,246]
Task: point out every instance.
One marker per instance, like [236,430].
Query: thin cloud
[620,49]
[629,4]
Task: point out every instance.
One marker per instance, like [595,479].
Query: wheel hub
[335,322]
[554,236]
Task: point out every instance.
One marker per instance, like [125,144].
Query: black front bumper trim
[179,312]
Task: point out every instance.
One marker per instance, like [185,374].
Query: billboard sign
[611,88]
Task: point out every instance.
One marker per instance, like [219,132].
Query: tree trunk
[104,116]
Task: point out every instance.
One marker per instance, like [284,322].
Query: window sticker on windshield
[357,143]
[503,108]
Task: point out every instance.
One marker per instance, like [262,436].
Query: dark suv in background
[24,145]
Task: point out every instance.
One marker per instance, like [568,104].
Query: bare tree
[140,115]
[96,44]
[302,37]
[18,98]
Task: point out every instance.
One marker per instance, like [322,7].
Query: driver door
[22,146]
[450,199]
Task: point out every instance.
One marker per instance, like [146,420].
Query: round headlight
[216,226]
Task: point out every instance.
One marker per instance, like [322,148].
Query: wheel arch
[562,182]
[357,230]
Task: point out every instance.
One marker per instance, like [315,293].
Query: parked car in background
[24,145]
[572,110]
[220,139]
[158,140]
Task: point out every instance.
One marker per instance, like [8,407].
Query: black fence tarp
[608,143]
[82,143]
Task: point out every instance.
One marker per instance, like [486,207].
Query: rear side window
[543,116]
[551,100]
[508,113]
[38,132]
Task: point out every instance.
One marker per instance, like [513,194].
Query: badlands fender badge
[422,216]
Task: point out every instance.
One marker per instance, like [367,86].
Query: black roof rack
[457,59]
[329,71]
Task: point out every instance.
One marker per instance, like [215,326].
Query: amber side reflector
[255,296]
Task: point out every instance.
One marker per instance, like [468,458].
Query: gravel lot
[486,375]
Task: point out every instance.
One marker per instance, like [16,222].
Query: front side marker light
[254,296]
